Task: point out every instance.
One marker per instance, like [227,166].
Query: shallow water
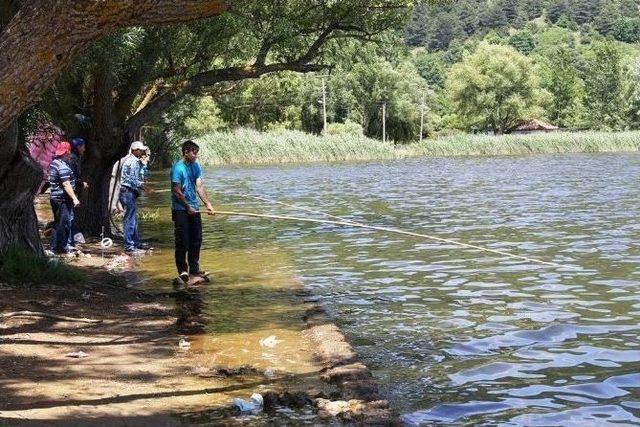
[455,335]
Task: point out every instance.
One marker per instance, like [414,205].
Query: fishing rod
[350,223]
[344,220]
[392,230]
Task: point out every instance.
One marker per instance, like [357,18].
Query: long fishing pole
[347,222]
[341,219]
[393,230]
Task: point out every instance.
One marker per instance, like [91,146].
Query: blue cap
[77,142]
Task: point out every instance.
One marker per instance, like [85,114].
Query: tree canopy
[436,25]
[133,77]
[494,88]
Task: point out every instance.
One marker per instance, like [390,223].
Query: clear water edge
[455,335]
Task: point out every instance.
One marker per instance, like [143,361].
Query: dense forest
[437,27]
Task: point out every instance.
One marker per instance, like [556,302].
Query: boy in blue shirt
[186,185]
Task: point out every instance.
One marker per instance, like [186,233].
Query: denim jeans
[63,217]
[73,231]
[188,234]
[130,220]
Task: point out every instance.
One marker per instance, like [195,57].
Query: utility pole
[324,106]
[422,117]
[384,122]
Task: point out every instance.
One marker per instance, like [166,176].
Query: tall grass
[19,266]
[558,142]
[252,147]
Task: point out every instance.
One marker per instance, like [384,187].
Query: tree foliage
[436,25]
[605,86]
[494,88]
[561,78]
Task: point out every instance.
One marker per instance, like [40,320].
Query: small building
[534,126]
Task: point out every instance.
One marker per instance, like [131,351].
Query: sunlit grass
[251,147]
[558,142]
[149,214]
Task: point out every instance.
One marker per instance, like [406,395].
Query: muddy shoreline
[138,372]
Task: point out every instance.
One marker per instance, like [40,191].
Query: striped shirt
[59,172]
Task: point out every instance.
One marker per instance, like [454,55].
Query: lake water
[455,335]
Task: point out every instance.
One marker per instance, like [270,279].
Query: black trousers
[188,235]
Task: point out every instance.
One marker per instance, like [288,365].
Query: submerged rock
[368,413]
[226,372]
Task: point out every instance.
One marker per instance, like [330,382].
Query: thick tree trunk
[93,217]
[106,146]
[20,178]
[44,35]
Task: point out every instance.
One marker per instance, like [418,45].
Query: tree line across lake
[476,65]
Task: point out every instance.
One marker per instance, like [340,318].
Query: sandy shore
[147,362]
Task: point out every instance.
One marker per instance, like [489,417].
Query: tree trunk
[94,217]
[106,145]
[44,35]
[20,178]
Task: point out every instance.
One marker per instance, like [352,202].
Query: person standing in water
[186,185]
[131,185]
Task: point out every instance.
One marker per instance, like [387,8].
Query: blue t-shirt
[186,175]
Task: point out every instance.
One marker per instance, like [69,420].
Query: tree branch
[263,52]
[211,78]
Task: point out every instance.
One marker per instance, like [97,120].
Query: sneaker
[184,276]
[143,246]
[134,252]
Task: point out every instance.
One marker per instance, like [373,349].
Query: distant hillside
[435,27]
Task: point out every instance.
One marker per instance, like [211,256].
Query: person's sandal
[202,274]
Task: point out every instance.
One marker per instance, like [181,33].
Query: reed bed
[557,142]
[252,147]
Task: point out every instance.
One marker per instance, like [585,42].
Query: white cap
[139,145]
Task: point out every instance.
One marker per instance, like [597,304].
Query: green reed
[251,147]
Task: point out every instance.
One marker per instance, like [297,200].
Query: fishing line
[396,231]
[302,208]
[350,223]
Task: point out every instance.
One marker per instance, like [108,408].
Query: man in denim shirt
[131,184]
